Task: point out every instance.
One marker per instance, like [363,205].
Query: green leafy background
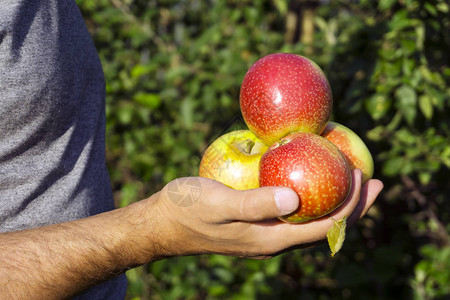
[173,71]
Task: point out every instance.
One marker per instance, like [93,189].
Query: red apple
[350,144]
[233,159]
[282,93]
[313,167]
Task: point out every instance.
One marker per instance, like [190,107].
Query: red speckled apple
[283,93]
[350,144]
[313,167]
[233,159]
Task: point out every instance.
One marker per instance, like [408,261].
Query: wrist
[145,232]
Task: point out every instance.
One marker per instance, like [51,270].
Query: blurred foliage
[173,71]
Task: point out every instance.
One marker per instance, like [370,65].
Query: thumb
[262,203]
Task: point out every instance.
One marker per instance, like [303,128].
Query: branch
[427,208]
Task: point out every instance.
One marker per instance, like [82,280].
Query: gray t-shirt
[52,121]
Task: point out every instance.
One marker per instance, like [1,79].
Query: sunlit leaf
[393,166]
[148,100]
[378,105]
[281,5]
[399,20]
[386,4]
[336,235]
[426,106]
[406,102]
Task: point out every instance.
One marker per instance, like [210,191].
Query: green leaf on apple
[336,235]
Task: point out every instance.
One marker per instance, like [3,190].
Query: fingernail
[286,200]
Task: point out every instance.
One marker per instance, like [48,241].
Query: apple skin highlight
[233,159]
[283,93]
[352,147]
[313,167]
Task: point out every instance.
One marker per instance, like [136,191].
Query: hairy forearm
[58,261]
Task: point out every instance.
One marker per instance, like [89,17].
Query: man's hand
[189,216]
[218,219]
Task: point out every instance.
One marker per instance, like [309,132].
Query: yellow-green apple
[313,167]
[282,93]
[350,144]
[233,159]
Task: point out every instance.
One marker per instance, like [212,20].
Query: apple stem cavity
[246,146]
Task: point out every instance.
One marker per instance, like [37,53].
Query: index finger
[283,236]
[316,230]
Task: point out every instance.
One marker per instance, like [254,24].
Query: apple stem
[249,146]
[334,221]
[282,142]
